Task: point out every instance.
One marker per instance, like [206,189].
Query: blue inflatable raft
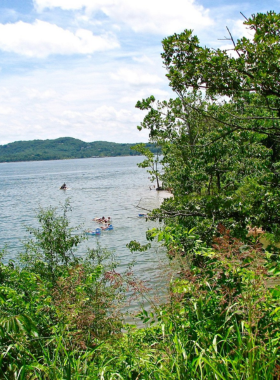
[97,231]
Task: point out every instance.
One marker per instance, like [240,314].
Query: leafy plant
[55,297]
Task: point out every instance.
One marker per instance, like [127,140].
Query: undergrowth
[60,315]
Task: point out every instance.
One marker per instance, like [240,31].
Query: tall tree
[220,158]
[247,74]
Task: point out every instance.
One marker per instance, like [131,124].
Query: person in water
[100,220]
[103,220]
[63,186]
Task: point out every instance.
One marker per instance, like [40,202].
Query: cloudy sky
[77,67]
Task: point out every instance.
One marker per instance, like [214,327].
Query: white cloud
[135,76]
[65,4]
[33,93]
[241,30]
[6,110]
[230,50]
[144,93]
[41,39]
[154,16]
[238,30]
[144,59]
[82,102]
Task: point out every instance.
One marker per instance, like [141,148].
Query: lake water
[98,187]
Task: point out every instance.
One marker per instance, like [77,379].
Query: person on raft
[103,220]
[63,186]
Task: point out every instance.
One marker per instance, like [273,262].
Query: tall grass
[221,322]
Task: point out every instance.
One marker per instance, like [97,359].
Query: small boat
[97,231]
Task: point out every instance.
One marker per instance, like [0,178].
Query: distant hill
[63,148]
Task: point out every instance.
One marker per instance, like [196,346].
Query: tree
[52,247]
[248,76]
[220,158]
[151,162]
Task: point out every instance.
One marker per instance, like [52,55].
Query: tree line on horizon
[64,148]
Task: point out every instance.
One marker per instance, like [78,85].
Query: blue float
[110,227]
[97,231]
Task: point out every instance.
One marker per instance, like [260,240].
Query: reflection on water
[98,187]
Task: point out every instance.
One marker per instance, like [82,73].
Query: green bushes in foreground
[55,304]
[64,322]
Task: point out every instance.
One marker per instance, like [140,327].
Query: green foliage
[135,246]
[247,73]
[222,320]
[56,296]
[220,157]
[151,162]
[223,181]
[51,250]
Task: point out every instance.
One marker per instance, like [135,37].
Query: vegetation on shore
[62,149]
[60,316]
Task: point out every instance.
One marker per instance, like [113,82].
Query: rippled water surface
[98,187]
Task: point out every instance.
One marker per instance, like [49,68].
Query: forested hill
[62,148]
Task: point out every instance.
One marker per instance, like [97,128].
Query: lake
[112,186]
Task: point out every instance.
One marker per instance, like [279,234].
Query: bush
[54,295]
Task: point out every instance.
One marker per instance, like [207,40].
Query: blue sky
[77,67]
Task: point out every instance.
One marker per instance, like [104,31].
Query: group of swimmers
[103,220]
[106,222]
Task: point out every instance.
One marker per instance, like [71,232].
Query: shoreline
[73,158]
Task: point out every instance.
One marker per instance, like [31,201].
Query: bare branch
[244,16]
[142,208]
[232,40]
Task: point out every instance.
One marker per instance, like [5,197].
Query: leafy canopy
[247,74]
[219,135]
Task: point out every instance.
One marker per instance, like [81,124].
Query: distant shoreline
[67,159]
[65,148]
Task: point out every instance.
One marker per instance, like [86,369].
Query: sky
[76,68]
